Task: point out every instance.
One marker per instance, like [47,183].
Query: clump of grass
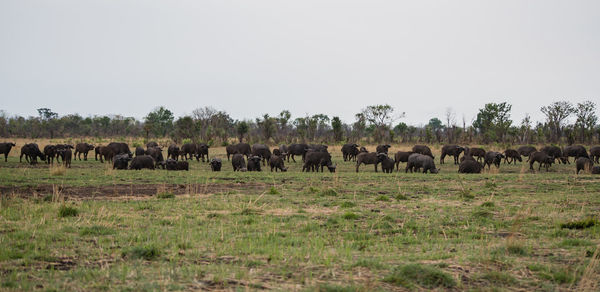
[348,204]
[488,204]
[96,230]
[482,214]
[580,224]
[249,211]
[165,195]
[273,191]
[426,276]
[400,197]
[575,242]
[146,252]
[498,278]
[382,198]
[516,249]
[368,263]
[58,170]
[350,216]
[66,211]
[336,288]
[328,193]
[313,190]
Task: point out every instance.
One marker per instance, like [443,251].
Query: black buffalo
[83,148]
[261,151]
[493,157]
[349,151]
[142,161]
[121,161]
[238,162]
[241,148]
[512,155]
[253,163]
[5,149]
[215,164]
[370,158]
[401,156]
[542,158]
[276,162]
[297,149]
[422,149]
[417,161]
[451,150]
[583,163]
[31,152]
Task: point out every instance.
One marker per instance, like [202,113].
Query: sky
[332,57]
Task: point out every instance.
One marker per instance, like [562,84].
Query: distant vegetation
[376,123]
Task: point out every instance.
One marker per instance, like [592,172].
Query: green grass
[347,231]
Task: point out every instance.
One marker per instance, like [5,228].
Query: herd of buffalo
[246,157]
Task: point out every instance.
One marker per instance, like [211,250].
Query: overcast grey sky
[331,57]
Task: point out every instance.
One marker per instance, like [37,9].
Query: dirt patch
[129,190]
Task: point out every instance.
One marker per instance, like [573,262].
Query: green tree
[493,121]
[159,121]
[242,129]
[556,114]
[267,126]
[381,117]
[184,128]
[401,130]
[586,120]
[336,125]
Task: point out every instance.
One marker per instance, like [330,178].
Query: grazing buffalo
[476,152]
[151,144]
[583,163]
[142,161]
[369,158]
[31,152]
[387,165]
[276,162]
[238,162]
[451,150]
[417,161]
[241,148]
[318,147]
[595,154]
[140,151]
[542,158]
[215,164]
[202,149]
[422,149]
[61,147]
[315,159]
[554,152]
[493,157]
[188,149]
[173,152]
[253,163]
[297,149]
[512,155]
[262,151]
[596,170]
[469,165]
[574,151]
[349,151]
[526,150]
[121,161]
[83,148]
[401,156]
[5,149]
[50,152]
[383,148]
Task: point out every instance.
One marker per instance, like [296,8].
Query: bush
[273,191]
[328,192]
[350,216]
[66,211]
[146,252]
[580,224]
[382,198]
[426,276]
[165,195]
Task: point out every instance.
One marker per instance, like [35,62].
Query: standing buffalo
[254,163]
[188,149]
[451,150]
[5,149]
[401,156]
[156,154]
[370,158]
[202,149]
[382,148]
[66,155]
[241,148]
[596,170]
[284,149]
[595,154]
[542,158]
[513,155]
[554,152]
[526,150]
[262,151]
[297,149]
[583,163]
[31,152]
[142,161]
[349,151]
[50,152]
[238,162]
[476,152]
[119,148]
[492,157]
[151,144]
[140,151]
[173,152]
[276,162]
[315,159]
[574,151]
[387,165]
[417,161]
[422,149]
[106,153]
[215,164]
[83,148]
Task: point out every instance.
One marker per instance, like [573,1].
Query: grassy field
[94,228]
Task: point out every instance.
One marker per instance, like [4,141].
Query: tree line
[373,124]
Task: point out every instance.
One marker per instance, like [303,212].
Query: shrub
[580,224]
[66,211]
[273,191]
[426,276]
[350,216]
[146,252]
[165,195]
